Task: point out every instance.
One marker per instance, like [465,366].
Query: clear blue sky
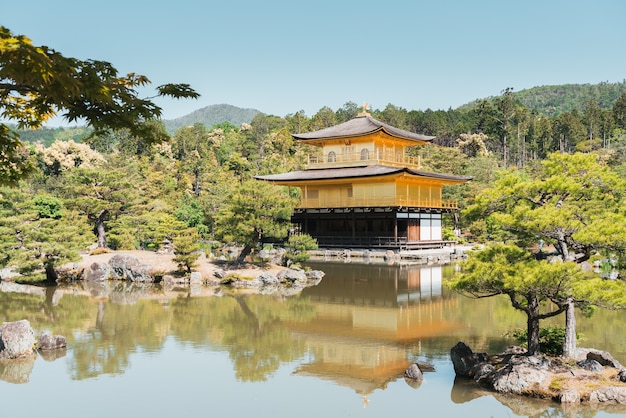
[284,56]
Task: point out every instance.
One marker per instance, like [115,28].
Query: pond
[337,349]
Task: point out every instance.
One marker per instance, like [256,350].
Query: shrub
[233,277]
[99,250]
[297,247]
[551,339]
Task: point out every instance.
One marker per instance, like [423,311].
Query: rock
[169,280]
[97,272]
[591,365]
[219,273]
[278,257]
[521,374]
[414,372]
[127,267]
[315,275]
[615,394]
[483,374]
[195,277]
[514,349]
[17,340]
[51,342]
[604,358]
[264,255]
[569,396]
[246,283]
[465,361]
[268,279]
[292,276]
[534,376]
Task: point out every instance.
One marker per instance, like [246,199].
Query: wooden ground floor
[372,227]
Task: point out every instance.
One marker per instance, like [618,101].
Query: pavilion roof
[357,172]
[359,126]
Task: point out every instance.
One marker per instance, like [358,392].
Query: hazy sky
[281,57]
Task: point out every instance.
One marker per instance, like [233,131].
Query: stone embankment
[442,255]
[594,379]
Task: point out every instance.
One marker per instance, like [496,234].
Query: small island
[595,377]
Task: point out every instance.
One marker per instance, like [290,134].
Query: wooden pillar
[395,226]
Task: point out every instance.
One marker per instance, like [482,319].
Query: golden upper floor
[363,141]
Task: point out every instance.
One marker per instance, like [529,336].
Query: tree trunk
[569,345]
[100,232]
[533,325]
[504,150]
[247,249]
[196,184]
[51,274]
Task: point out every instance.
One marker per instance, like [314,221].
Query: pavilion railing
[359,158]
[347,202]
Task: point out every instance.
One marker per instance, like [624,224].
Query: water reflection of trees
[119,331]
[344,323]
[250,327]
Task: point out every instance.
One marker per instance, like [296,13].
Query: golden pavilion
[364,191]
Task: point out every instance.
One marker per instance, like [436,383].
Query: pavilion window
[365,154]
[332,157]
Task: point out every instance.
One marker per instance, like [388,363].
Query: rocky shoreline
[144,267]
[595,378]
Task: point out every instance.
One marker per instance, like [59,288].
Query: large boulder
[127,267]
[465,361]
[292,276]
[17,340]
[604,358]
[97,272]
[521,374]
[268,279]
[569,396]
[589,364]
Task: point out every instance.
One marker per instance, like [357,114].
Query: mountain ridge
[213,115]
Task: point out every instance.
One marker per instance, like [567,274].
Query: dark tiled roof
[361,125]
[356,172]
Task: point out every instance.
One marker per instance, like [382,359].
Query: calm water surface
[336,350]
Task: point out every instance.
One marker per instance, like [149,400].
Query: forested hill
[213,115]
[554,100]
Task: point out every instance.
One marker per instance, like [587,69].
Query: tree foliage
[37,234]
[254,210]
[186,246]
[138,188]
[37,82]
[574,204]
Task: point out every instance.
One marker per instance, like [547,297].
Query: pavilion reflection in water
[370,322]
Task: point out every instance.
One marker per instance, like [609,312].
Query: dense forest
[115,190]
